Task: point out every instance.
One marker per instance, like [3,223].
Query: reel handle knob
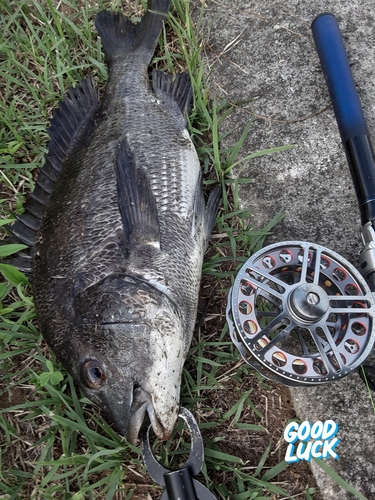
[348,110]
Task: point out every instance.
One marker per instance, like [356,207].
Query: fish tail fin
[120,36]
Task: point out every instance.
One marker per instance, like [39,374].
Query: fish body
[121,228]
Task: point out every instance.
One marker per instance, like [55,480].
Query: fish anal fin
[178,90]
[136,200]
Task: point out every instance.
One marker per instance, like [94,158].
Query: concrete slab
[262,50]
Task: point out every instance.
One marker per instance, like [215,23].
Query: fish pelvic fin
[204,215]
[136,200]
[178,90]
[68,123]
[212,207]
[120,36]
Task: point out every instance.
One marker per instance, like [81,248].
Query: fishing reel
[300,314]
[297,312]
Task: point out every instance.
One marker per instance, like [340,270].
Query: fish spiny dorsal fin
[180,90]
[68,123]
[121,37]
[136,201]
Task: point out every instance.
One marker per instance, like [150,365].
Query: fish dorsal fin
[67,125]
[178,90]
[136,200]
[71,118]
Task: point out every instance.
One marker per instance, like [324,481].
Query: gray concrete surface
[262,50]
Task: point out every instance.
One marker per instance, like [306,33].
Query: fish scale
[150,132]
[173,186]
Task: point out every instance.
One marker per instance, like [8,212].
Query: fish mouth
[142,404]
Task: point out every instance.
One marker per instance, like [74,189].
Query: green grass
[53,442]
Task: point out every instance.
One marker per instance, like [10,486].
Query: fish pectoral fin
[136,201]
[68,125]
[178,90]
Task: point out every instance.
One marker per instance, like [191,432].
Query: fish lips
[142,406]
[129,414]
[143,403]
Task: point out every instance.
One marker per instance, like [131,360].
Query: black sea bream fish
[121,227]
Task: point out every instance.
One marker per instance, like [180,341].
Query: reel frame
[301,314]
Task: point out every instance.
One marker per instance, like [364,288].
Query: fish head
[127,352]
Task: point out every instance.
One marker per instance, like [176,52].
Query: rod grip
[348,111]
[336,68]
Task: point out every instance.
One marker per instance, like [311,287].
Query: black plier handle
[179,484]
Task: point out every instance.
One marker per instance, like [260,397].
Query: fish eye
[93,374]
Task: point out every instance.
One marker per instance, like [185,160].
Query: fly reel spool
[301,314]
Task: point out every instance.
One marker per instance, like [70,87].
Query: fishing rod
[298,312]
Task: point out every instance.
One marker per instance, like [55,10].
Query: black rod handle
[348,110]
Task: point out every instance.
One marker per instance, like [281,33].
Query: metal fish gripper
[180,484]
